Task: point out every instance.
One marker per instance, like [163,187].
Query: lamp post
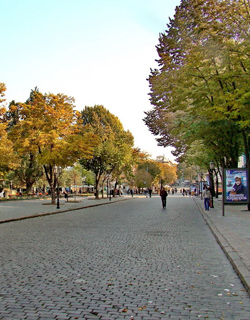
[201,184]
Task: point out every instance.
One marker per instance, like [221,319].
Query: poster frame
[235,171]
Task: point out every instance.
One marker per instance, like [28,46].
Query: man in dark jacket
[163,194]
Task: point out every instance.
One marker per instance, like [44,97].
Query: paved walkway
[23,209]
[232,231]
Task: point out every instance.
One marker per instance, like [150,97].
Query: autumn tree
[114,146]
[29,171]
[200,90]
[49,126]
[168,173]
[8,158]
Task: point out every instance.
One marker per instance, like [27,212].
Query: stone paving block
[127,258]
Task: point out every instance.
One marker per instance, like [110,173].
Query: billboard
[235,186]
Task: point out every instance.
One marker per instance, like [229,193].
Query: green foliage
[201,90]
[29,171]
[143,179]
[114,149]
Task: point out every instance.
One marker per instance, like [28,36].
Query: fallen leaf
[141,308]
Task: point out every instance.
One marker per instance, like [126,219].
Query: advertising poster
[235,186]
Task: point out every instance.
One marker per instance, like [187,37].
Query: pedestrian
[150,192]
[163,194]
[66,195]
[207,197]
[132,192]
[146,193]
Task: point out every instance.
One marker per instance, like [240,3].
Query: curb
[61,211]
[235,260]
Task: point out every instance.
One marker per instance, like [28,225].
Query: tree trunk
[97,181]
[29,185]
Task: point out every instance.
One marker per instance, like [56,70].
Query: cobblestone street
[127,260]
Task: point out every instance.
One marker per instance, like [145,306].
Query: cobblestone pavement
[232,231]
[126,260]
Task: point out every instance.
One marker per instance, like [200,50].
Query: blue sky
[98,51]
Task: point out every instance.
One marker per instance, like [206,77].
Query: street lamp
[201,184]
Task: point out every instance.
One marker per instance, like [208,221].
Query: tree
[8,158]
[29,171]
[168,173]
[152,168]
[114,143]
[143,179]
[202,83]
[49,126]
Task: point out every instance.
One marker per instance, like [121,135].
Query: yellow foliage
[49,125]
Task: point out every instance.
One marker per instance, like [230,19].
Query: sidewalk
[232,232]
[24,209]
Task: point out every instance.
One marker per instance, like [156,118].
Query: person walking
[163,194]
[207,197]
[150,192]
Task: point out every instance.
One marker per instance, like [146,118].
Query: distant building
[162,159]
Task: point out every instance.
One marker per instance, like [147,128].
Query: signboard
[235,186]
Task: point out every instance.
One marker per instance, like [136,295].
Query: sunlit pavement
[22,209]
[126,260]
